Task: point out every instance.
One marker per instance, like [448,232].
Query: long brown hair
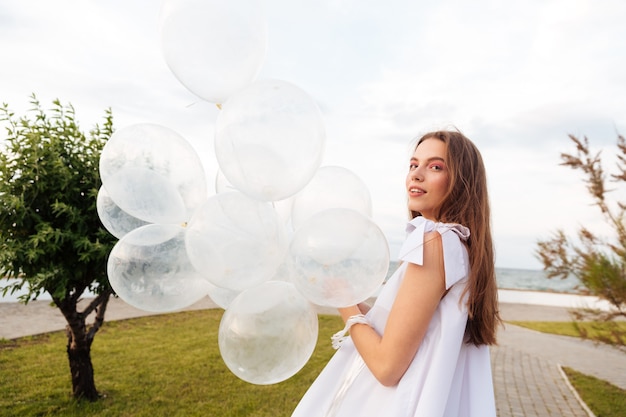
[467,203]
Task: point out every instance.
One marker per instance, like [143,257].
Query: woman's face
[427,179]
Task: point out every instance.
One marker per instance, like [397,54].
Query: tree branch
[102,297]
[100,305]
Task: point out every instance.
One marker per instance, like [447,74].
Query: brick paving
[526,385]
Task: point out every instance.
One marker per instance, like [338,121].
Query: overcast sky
[516,77]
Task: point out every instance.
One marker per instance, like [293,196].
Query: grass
[166,365]
[169,365]
[602,398]
[606,332]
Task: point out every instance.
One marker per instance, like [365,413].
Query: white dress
[447,377]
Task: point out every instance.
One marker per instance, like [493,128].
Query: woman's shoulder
[421,231]
[422,225]
[446,239]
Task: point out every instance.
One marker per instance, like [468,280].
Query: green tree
[599,262]
[51,238]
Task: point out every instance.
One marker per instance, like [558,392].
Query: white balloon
[113,218]
[282,207]
[285,271]
[268,333]
[214,47]
[340,257]
[222,185]
[331,187]
[269,140]
[222,296]
[236,242]
[153,173]
[147,195]
[149,269]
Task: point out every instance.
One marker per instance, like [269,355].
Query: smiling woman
[423,347]
[427,180]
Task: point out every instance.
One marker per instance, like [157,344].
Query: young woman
[422,350]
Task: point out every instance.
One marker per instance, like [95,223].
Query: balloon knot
[219,105]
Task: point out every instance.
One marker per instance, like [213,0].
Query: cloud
[516,77]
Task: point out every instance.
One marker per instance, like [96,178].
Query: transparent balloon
[282,207]
[149,269]
[269,140]
[113,218]
[213,47]
[222,185]
[152,173]
[146,195]
[285,271]
[268,333]
[340,257]
[236,242]
[222,296]
[331,187]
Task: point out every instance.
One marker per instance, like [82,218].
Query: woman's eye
[412,167]
[436,167]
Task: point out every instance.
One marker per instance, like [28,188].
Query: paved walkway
[526,365]
[527,373]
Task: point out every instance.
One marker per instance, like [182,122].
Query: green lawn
[169,365]
[165,365]
[607,332]
[604,399]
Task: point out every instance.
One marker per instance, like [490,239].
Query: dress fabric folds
[446,378]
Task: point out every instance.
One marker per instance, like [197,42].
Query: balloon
[149,269]
[269,140]
[282,207]
[221,183]
[236,242]
[331,187]
[146,195]
[153,174]
[213,47]
[285,271]
[222,296]
[340,258]
[268,333]
[113,218]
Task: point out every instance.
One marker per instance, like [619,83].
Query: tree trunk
[79,340]
[81,368]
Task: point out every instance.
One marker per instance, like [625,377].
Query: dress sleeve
[455,257]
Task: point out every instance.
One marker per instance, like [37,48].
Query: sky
[516,77]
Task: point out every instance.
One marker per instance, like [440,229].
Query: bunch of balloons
[281,234]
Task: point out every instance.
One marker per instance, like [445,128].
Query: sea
[518,286]
[528,280]
[508,279]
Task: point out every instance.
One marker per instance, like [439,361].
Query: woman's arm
[388,357]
